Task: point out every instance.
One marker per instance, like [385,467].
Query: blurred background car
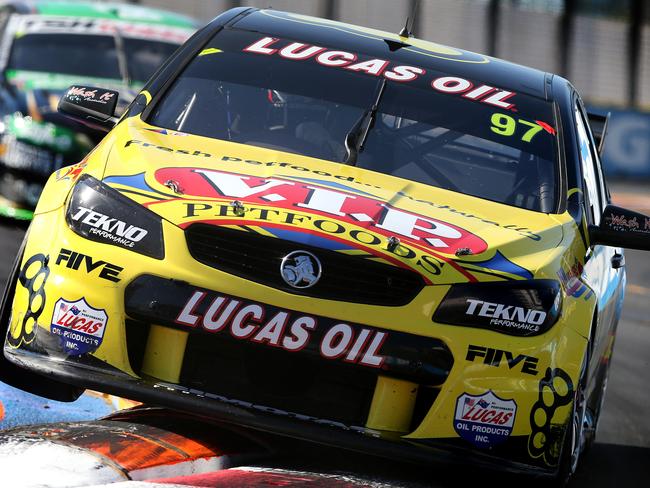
[44,48]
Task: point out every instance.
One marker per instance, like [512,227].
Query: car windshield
[430,127]
[88,55]
[72,54]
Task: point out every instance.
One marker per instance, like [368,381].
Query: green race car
[45,47]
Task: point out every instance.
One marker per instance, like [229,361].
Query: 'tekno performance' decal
[507,316]
[109,228]
[80,327]
[349,208]
[484,420]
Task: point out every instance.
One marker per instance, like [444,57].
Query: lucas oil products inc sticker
[484,420]
[79,326]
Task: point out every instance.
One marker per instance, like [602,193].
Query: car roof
[115,11]
[403,50]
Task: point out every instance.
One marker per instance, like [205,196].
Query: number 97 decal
[506,125]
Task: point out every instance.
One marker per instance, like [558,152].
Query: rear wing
[598,124]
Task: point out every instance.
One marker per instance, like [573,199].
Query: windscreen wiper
[356,137]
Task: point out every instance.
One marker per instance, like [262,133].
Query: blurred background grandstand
[602,46]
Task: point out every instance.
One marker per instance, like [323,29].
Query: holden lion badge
[300,269]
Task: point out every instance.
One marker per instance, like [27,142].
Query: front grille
[272,378]
[297,382]
[344,278]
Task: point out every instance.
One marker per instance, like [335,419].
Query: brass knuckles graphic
[545,440]
[24,331]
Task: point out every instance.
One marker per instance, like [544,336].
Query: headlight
[101,214]
[519,308]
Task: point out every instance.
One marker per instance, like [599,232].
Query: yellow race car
[338,234]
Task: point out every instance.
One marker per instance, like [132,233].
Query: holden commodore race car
[44,48]
[336,234]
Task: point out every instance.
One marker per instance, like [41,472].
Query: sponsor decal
[507,126]
[622,223]
[339,206]
[484,420]
[27,24]
[545,440]
[571,281]
[71,172]
[496,357]
[32,277]
[292,331]
[100,214]
[80,326]
[37,23]
[519,308]
[336,59]
[506,316]
[104,97]
[75,260]
[135,142]
[108,228]
[166,132]
[519,229]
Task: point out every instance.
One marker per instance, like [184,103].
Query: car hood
[445,236]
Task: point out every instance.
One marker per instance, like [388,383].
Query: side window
[602,184]
[595,195]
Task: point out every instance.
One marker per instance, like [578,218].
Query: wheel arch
[13,374]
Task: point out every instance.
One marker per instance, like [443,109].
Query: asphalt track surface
[621,455]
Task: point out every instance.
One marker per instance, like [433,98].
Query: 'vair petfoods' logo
[330,209]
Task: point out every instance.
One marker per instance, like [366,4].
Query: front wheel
[10,373]
[575,438]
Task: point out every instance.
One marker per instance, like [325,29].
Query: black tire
[575,440]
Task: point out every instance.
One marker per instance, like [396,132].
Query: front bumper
[142,300]
[93,375]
